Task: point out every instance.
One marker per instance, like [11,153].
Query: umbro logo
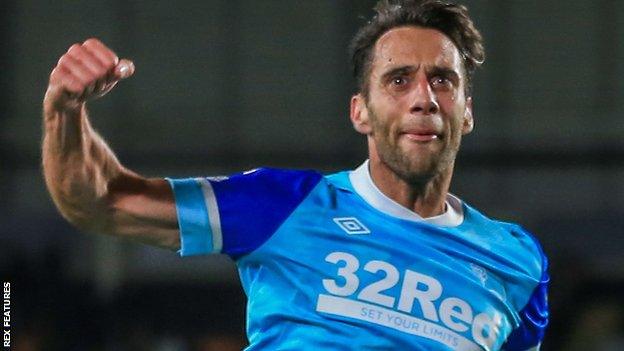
[351,225]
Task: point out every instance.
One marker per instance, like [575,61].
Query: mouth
[422,135]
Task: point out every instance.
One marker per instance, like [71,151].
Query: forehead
[411,45]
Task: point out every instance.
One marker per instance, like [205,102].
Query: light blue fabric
[196,234]
[338,274]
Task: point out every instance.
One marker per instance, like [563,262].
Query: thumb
[124,69]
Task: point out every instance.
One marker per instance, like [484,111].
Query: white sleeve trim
[213,214]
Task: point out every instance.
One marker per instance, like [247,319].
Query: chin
[416,172]
[419,176]
[413,167]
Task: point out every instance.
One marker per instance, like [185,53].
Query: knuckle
[77,54]
[63,60]
[70,81]
[92,42]
[109,62]
[101,72]
[72,56]
[74,87]
[105,55]
[114,58]
[85,79]
[74,47]
[67,81]
[55,72]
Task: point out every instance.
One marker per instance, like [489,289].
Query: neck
[426,198]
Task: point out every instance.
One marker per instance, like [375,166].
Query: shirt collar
[363,184]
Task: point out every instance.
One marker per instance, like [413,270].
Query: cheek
[386,112]
[455,113]
[449,103]
[379,126]
[378,116]
[385,127]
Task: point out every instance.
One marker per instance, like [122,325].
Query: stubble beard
[413,169]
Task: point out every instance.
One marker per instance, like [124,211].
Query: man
[379,258]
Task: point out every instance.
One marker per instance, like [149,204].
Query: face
[416,111]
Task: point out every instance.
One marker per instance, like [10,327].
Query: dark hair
[451,19]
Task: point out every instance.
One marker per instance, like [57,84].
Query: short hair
[451,19]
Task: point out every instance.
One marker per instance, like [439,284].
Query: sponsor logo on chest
[445,320]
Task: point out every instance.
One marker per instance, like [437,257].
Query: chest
[412,279]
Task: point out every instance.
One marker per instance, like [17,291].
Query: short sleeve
[534,317]
[235,215]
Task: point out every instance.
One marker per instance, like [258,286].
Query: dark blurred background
[227,85]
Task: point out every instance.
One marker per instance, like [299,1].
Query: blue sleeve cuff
[196,235]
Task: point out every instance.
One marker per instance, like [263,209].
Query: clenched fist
[87,70]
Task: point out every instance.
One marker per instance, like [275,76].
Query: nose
[424,100]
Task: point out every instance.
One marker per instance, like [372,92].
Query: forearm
[78,166]
[86,181]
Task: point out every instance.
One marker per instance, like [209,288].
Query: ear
[468,124]
[359,114]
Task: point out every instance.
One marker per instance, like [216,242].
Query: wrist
[58,102]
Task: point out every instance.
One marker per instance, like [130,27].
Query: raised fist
[87,70]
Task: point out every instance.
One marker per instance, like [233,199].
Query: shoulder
[263,192]
[269,176]
[512,240]
[527,239]
[528,291]
[278,184]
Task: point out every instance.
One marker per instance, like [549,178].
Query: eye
[440,81]
[399,81]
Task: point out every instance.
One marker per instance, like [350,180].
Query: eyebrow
[408,69]
[401,70]
[444,72]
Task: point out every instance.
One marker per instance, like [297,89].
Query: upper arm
[142,209]
[235,215]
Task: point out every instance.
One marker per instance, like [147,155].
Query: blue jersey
[329,263]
